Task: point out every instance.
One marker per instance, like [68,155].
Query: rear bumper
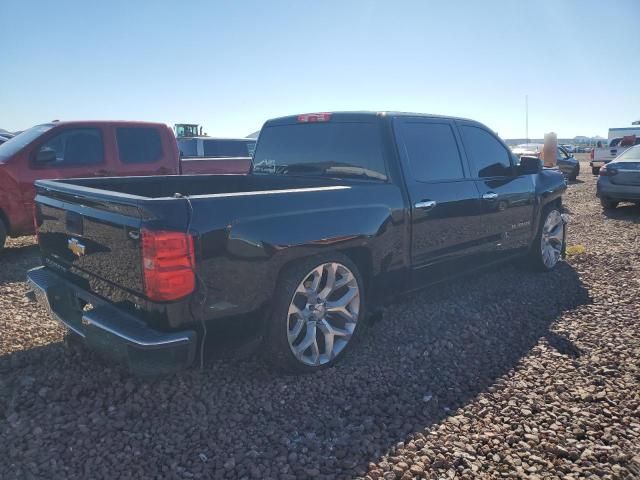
[617,192]
[598,163]
[110,330]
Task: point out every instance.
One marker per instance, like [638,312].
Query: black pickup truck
[340,212]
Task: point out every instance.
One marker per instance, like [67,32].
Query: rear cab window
[331,148]
[227,148]
[139,144]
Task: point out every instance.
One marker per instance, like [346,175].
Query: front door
[445,205]
[67,153]
[508,198]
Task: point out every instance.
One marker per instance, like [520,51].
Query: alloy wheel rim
[551,239]
[323,314]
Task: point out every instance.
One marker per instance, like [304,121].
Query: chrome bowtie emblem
[76,247]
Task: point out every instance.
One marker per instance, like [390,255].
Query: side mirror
[530,165]
[46,155]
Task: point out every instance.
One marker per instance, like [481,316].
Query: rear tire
[595,170]
[547,247]
[3,235]
[308,309]
[608,204]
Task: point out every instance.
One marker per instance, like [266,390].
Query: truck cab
[77,149]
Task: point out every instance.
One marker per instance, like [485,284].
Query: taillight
[607,172]
[168,263]
[35,223]
[591,154]
[314,117]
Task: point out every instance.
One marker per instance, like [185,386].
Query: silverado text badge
[76,247]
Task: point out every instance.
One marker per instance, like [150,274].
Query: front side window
[139,144]
[486,152]
[431,150]
[344,149]
[78,146]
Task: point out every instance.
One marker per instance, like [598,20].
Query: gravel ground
[506,374]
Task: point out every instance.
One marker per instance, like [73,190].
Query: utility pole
[526,116]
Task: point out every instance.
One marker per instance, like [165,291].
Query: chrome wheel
[323,314]
[551,239]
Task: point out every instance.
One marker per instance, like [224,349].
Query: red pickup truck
[88,149]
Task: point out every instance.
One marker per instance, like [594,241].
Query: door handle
[425,204]
[104,173]
[490,196]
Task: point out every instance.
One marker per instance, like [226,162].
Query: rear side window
[226,148]
[431,151]
[331,148]
[73,147]
[489,156]
[139,144]
[188,148]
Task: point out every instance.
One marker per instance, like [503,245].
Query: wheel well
[361,256]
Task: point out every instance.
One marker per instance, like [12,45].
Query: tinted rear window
[226,148]
[332,148]
[139,144]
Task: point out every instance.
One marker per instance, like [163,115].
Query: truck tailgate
[93,236]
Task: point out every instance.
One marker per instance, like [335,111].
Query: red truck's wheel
[318,310]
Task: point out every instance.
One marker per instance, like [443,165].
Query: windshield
[631,155]
[15,144]
[332,149]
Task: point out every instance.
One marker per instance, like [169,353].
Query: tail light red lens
[168,263]
[607,172]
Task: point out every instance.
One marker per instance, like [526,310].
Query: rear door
[144,150]
[445,205]
[508,198]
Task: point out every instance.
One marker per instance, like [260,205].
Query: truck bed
[189,185]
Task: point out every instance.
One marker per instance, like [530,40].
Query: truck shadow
[15,261]
[431,353]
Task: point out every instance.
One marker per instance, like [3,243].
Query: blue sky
[230,65]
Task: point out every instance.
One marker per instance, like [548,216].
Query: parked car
[568,148]
[341,212]
[567,164]
[231,155]
[85,149]
[619,180]
[620,139]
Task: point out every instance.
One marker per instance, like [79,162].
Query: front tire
[595,170]
[548,244]
[318,309]
[608,204]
